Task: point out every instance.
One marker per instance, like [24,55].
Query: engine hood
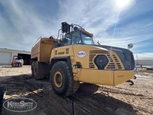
[125,55]
[113,48]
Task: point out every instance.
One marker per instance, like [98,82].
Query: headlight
[101,61]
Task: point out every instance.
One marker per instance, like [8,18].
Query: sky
[113,22]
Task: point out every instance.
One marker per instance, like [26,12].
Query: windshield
[81,38]
[87,39]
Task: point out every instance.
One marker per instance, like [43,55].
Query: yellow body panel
[73,51]
[103,77]
[122,76]
[45,51]
[93,75]
[35,51]
[63,51]
[41,50]
[85,61]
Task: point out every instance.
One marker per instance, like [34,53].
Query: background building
[144,62]
[6,56]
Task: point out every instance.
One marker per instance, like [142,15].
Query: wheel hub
[58,79]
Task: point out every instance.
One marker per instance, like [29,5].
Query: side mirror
[98,43]
[65,27]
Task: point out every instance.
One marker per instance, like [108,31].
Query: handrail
[36,41]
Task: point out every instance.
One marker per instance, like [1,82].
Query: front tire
[21,65]
[61,80]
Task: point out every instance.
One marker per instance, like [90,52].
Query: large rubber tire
[32,68]
[21,64]
[66,86]
[18,64]
[12,65]
[35,71]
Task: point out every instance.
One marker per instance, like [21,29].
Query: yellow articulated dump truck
[75,58]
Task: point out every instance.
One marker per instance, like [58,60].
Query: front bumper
[103,77]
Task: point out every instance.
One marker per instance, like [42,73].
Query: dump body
[41,51]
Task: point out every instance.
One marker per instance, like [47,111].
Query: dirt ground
[120,100]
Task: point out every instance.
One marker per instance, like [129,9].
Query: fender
[63,58]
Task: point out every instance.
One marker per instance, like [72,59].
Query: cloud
[23,22]
[23,26]
[144,56]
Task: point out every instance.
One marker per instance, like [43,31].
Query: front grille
[113,61]
[117,62]
[129,57]
[92,55]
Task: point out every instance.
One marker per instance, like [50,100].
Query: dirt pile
[98,100]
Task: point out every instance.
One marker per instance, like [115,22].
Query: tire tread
[72,85]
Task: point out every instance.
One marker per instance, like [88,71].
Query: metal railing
[37,41]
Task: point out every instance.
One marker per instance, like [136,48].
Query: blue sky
[22,22]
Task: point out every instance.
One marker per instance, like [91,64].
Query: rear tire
[32,68]
[36,72]
[61,80]
[18,64]
[12,64]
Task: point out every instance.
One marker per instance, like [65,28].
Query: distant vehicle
[17,61]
